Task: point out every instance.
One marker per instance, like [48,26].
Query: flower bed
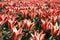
[29,20]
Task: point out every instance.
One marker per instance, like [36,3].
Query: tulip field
[29,19]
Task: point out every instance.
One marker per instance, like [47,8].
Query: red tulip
[38,36]
[17,9]
[3,18]
[11,20]
[33,14]
[40,14]
[51,12]
[24,13]
[46,24]
[55,30]
[53,19]
[17,33]
[21,24]
[29,24]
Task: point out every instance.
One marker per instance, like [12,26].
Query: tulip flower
[53,19]
[40,14]
[3,18]
[46,24]
[17,33]
[55,30]
[38,36]
[33,15]
[24,13]
[29,24]
[11,20]
[21,24]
